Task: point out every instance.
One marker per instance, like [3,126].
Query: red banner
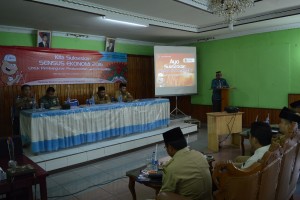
[40,66]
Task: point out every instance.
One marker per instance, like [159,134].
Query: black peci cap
[174,134]
[295,104]
[218,72]
[288,114]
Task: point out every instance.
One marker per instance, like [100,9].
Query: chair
[233,183]
[271,166]
[255,182]
[289,171]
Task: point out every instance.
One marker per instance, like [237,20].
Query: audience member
[187,173]
[260,141]
[295,106]
[288,122]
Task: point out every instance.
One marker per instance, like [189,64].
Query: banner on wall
[39,66]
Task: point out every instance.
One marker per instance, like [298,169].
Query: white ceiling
[169,20]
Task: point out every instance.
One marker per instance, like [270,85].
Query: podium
[223,123]
[225,98]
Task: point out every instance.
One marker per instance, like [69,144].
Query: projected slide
[175,70]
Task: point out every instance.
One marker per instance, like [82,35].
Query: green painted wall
[263,68]
[22,39]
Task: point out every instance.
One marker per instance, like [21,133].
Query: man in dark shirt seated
[49,100]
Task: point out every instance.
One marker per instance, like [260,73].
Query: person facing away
[122,94]
[295,106]
[50,100]
[260,141]
[45,42]
[217,84]
[101,97]
[22,102]
[187,173]
[289,121]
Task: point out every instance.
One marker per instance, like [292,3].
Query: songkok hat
[295,104]
[10,58]
[218,72]
[288,114]
[174,134]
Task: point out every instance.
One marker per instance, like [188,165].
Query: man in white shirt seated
[260,140]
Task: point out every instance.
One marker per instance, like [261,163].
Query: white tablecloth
[51,130]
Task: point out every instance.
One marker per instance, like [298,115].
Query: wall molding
[81,36]
[239,34]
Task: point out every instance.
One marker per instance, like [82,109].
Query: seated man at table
[122,94]
[24,101]
[101,97]
[260,141]
[187,173]
[50,100]
[289,120]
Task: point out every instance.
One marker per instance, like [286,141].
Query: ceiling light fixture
[123,22]
[229,9]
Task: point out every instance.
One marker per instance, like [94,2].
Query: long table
[51,130]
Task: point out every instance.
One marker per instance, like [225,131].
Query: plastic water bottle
[68,100]
[33,104]
[154,162]
[268,119]
[93,100]
[120,98]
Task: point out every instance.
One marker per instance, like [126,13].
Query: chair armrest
[226,169]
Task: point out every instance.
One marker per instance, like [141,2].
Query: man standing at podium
[216,85]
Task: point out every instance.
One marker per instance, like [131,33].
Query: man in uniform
[49,100]
[24,101]
[187,173]
[122,94]
[100,97]
[216,85]
[288,122]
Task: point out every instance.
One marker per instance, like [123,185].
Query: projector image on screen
[175,70]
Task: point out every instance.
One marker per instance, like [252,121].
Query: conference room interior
[259,57]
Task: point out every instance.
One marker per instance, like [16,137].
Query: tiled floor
[105,180]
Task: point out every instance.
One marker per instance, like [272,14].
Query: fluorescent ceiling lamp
[123,22]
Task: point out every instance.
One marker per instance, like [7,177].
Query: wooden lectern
[223,123]
[225,98]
